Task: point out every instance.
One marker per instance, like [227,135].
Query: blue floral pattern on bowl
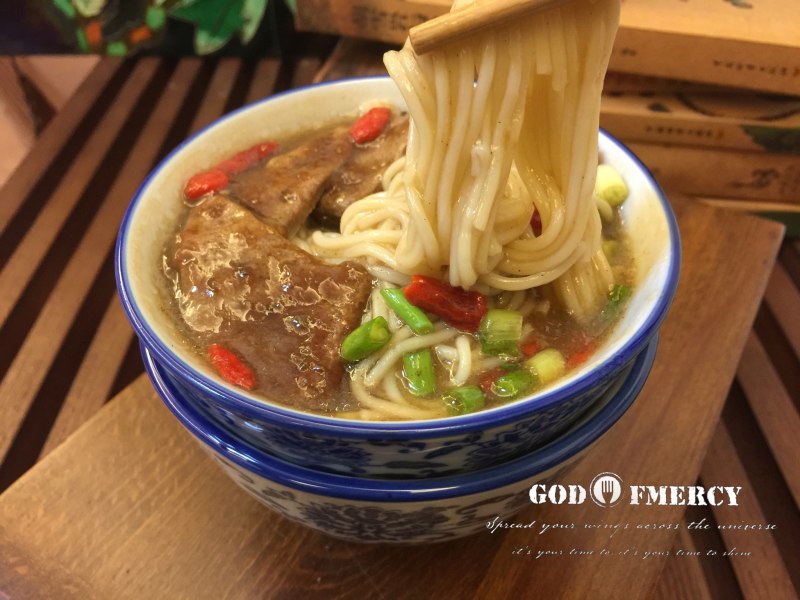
[399,510]
[409,457]
[381,449]
[414,522]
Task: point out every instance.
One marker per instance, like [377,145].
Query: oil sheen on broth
[273,313]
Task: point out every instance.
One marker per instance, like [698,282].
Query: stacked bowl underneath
[407,510]
[393,481]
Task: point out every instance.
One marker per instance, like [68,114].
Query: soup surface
[275,314]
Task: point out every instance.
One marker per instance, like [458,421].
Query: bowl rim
[404,490]
[271,411]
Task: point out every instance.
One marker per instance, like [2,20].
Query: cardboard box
[716,118]
[752,44]
[711,173]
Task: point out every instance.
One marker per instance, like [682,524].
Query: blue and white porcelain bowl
[378,449]
[405,511]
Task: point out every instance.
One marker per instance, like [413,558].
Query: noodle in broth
[502,124]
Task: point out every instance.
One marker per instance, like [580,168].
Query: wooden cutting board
[130,507]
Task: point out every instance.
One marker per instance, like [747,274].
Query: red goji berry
[489,377]
[530,348]
[456,306]
[580,357]
[204,183]
[230,367]
[370,125]
[241,161]
[536,222]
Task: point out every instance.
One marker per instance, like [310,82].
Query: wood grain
[91,386]
[17,126]
[55,135]
[16,566]
[126,539]
[718,575]
[145,499]
[263,82]
[42,342]
[22,265]
[664,436]
[305,70]
[57,77]
[81,522]
[767,575]
[683,577]
[217,94]
[790,261]
[353,58]
[43,310]
[774,410]
[783,299]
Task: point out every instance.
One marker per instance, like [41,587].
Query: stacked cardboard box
[706,92]
[707,141]
[751,44]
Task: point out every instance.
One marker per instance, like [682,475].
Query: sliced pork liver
[285,189]
[360,175]
[241,284]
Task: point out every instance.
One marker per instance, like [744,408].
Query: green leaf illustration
[65,6]
[775,139]
[89,8]
[215,21]
[252,14]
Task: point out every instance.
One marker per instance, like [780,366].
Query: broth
[271,318]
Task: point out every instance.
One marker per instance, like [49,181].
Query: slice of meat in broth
[285,189]
[360,175]
[241,284]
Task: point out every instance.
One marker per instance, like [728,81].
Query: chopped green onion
[547,365]
[512,384]
[618,295]
[610,186]
[464,400]
[366,339]
[500,332]
[412,316]
[418,372]
[610,248]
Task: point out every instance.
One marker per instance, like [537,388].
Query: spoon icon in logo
[606,489]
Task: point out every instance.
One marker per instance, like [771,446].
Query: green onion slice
[464,400]
[512,384]
[500,332]
[412,316]
[369,337]
[618,295]
[418,372]
[547,365]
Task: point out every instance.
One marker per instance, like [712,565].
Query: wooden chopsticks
[454,26]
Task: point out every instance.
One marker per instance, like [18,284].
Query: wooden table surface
[127,506]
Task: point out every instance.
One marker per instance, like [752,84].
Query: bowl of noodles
[405,277]
[401,511]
